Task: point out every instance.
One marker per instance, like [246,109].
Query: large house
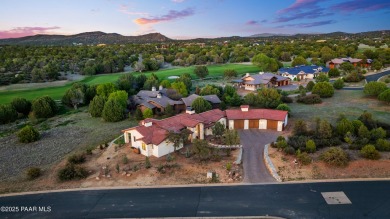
[335,63]
[303,72]
[151,136]
[157,100]
[261,80]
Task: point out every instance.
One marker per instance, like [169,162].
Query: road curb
[270,166]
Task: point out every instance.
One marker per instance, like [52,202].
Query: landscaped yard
[57,92]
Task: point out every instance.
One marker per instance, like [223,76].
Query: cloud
[362,5]
[264,21]
[25,31]
[251,22]
[316,13]
[172,15]
[125,10]
[307,25]
[178,1]
[300,5]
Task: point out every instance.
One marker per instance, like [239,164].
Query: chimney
[148,124]
[153,88]
[160,87]
[158,95]
[260,73]
[247,75]
[190,111]
[244,108]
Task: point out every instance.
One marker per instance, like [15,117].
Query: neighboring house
[212,99]
[303,72]
[335,63]
[257,81]
[246,118]
[156,101]
[151,136]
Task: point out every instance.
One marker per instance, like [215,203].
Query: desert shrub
[7,114]
[228,166]
[353,77]
[28,134]
[33,173]
[335,156]
[344,126]
[76,158]
[324,89]
[310,146]
[370,152]
[298,142]
[21,105]
[377,133]
[71,172]
[382,145]
[374,88]
[310,85]
[44,107]
[304,158]
[338,84]
[300,128]
[310,99]
[326,142]
[286,99]
[147,163]
[125,160]
[283,107]
[281,144]
[289,150]
[280,138]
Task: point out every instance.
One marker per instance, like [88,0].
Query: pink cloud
[252,22]
[25,31]
[172,15]
[300,4]
[362,5]
[125,10]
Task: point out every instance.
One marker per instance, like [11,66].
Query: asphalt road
[369,200]
[253,141]
[375,77]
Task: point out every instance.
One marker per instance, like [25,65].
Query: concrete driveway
[253,141]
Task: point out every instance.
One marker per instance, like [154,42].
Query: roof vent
[159,95]
[160,87]
[153,88]
[148,124]
[244,108]
[190,111]
[247,75]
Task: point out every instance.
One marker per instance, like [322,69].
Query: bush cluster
[335,156]
[76,158]
[72,171]
[33,173]
[370,152]
[28,134]
[310,99]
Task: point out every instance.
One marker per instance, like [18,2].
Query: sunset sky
[191,18]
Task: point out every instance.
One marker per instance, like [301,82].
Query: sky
[185,19]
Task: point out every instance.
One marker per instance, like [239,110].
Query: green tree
[377,133]
[44,107]
[251,99]
[344,126]
[169,110]
[335,156]
[374,88]
[209,89]
[165,84]
[265,63]
[151,82]
[201,71]
[322,77]
[126,82]
[73,97]
[324,89]
[299,60]
[283,107]
[300,128]
[119,96]
[28,134]
[382,145]
[370,152]
[231,137]
[201,149]
[385,96]
[324,129]
[310,86]
[334,72]
[368,120]
[201,105]
[310,146]
[269,98]
[186,79]
[7,114]
[113,111]
[138,114]
[377,65]
[218,130]
[347,67]
[338,84]
[178,138]
[96,106]
[105,90]
[21,105]
[229,74]
[363,132]
[180,88]
[147,113]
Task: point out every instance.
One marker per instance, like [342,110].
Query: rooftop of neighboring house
[308,69]
[261,78]
[153,98]
[155,131]
[211,98]
[246,113]
[348,59]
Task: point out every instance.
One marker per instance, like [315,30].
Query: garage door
[254,124]
[239,124]
[272,124]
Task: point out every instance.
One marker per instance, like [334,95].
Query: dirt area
[357,167]
[102,168]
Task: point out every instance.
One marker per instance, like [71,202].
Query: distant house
[257,81]
[302,72]
[156,100]
[212,99]
[335,63]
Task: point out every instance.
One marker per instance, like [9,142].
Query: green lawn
[57,92]
[351,103]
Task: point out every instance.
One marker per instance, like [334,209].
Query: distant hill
[269,35]
[86,38]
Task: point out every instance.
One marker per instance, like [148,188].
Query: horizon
[190,19]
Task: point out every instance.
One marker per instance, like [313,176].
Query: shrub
[72,171]
[96,106]
[324,89]
[298,142]
[201,71]
[147,163]
[353,77]
[338,84]
[21,105]
[28,134]
[33,173]
[377,133]
[138,114]
[327,142]
[322,77]
[289,150]
[125,160]
[76,158]
[310,99]
[228,166]
[374,88]
[148,113]
[281,144]
[335,156]
[201,105]
[382,145]
[304,158]
[283,107]
[334,72]
[310,85]
[286,99]
[44,107]
[7,114]
[310,146]
[385,96]
[370,152]
[300,128]
[344,126]
[280,138]
[113,111]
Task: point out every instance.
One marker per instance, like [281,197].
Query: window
[134,138]
[143,146]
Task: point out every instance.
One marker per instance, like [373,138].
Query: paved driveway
[253,141]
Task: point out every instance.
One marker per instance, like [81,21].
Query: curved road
[301,200]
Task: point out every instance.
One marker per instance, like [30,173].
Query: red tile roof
[256,114]
[152,134]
